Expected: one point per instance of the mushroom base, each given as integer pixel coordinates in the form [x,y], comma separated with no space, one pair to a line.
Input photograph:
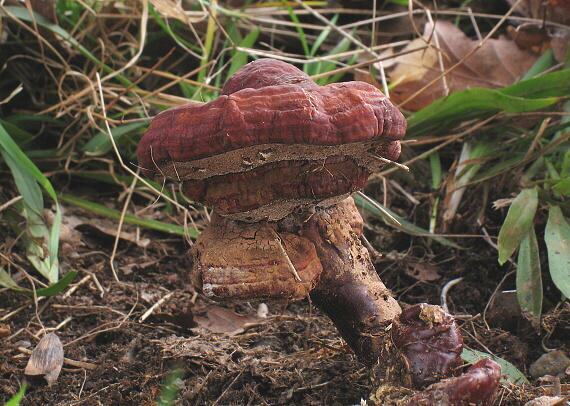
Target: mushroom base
[251,261]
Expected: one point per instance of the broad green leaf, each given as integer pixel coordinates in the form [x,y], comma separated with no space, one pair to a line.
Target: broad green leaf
[563,186]
[405,225]
[468,104]
[27,177]
[529,280]
[519,220]
[509,373]
[8,282]
[101,143]
[557,238]
[15,401]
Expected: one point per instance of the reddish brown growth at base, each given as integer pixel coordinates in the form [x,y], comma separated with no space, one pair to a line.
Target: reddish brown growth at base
[431,343]
[425,352]
[478,386]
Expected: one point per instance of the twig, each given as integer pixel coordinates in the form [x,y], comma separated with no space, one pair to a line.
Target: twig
[155,306]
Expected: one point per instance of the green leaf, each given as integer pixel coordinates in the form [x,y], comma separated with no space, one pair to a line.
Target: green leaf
[101,143]
[468,104]
[557,238]
[15,401]
[8,282]
[240,57]
[563,186]
[27,177]
[519,220]
[34,235]
[510,375]
[529,280]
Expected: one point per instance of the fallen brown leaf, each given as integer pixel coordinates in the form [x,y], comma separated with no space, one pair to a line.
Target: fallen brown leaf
[498,63]
[422,271]
[557,11]
[46,359]
[221,320]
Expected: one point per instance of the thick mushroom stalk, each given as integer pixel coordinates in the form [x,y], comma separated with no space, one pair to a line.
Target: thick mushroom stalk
[276,156]
[349,291]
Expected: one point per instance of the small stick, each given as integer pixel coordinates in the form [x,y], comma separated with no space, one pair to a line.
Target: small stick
[388,161]
[282,249]
[154,307]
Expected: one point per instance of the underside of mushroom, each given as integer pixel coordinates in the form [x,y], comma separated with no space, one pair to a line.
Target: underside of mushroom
[276,157]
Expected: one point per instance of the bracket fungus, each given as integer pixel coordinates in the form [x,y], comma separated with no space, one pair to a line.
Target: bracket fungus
[277,157]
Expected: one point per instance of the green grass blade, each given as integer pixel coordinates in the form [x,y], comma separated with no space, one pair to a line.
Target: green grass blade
[529,279]
[298,27]
[8,282]
[15,401]
[240,58]
[129,218]
[519,220]
[405,225]
[557,238]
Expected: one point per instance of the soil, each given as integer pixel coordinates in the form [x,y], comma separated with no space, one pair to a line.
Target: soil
[293,356]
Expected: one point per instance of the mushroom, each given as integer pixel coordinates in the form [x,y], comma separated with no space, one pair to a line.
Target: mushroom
[276,157]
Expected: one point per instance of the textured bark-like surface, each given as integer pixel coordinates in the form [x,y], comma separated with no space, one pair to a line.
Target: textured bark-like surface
[430,342]
[349,290]
[273,119]
[251,261]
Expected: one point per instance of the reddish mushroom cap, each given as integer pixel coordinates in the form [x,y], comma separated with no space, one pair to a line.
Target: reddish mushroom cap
[272,141]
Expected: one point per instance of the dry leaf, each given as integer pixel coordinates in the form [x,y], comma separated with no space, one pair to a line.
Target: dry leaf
[546,401]
[422,271]
[498,63]
[173,9]
[183,319]
[226,321]
[557,11]
[46,359]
